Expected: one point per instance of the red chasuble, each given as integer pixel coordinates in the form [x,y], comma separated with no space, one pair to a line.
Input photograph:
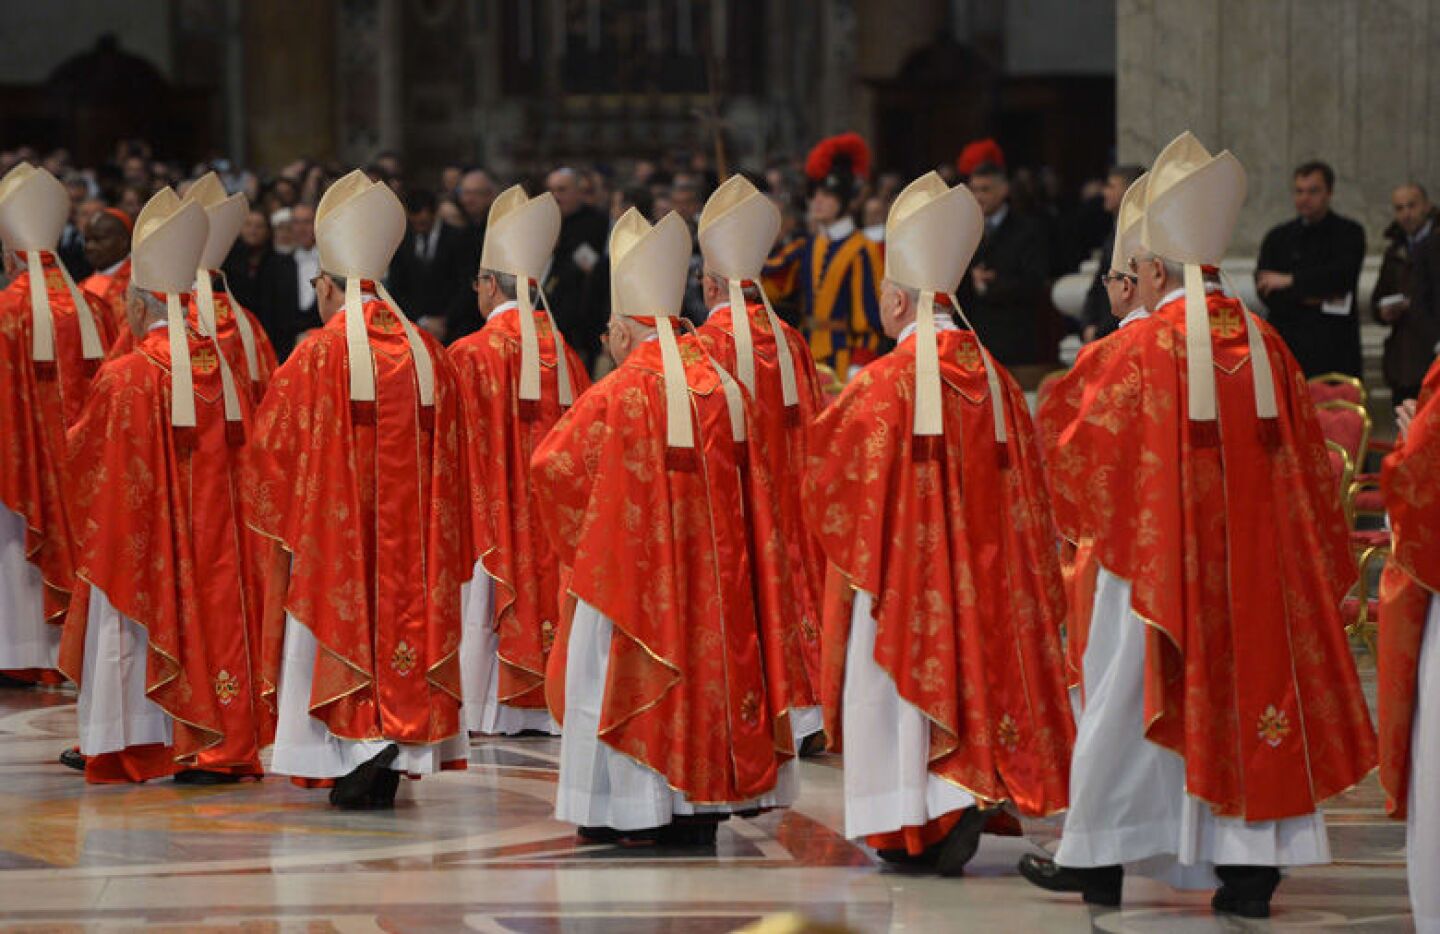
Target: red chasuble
[111,291]
[1238,556]
[663,553]
[37,403]
[228,333]
[784,444]
[501,436]
[1411,481]
[159,531]
[369,502]
[954,539]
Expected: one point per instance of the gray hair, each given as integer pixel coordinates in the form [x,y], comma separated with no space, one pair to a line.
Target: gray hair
[509,285]
[152,303]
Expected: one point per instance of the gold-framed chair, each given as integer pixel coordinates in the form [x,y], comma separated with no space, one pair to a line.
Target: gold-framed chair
[1337,387]
[1347,424]
[1361,609]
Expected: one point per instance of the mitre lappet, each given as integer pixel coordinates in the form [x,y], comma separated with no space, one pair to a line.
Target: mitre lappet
[520,238]
[34,208]
[737,229]
[358,226]
[648,268]
[930,236]
[226,215]
[1192,200]
[169,239]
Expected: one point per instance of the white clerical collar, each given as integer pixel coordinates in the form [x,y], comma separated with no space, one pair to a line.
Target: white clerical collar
[875,233]
[942,323]
[998,218]
[157,325]
[111,270]
[1136,315]
[1180,293]
[839,230]
[501,308]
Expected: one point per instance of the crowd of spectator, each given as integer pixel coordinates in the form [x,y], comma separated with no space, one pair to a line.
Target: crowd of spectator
[1307,271]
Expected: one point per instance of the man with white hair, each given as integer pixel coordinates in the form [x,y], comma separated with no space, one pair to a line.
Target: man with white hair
[356,472]
[772,361]
[518,376]
[659,671]
[160,638]
[944,677]
[51,342]
[1222,704]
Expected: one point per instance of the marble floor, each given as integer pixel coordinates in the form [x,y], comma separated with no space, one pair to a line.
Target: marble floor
[478,851]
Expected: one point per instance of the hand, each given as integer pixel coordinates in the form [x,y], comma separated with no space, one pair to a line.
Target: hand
[1267,281]
[981,277]
[1404,415]
[1087,333]
[1394,311]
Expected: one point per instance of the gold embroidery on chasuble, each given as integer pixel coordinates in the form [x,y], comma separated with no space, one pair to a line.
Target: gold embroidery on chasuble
[227,687]
[1273,727]
[403,659]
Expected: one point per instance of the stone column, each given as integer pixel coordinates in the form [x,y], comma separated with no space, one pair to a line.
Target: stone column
[289,72]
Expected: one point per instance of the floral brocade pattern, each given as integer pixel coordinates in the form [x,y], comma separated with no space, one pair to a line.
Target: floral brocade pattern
[665,553]
[956,544]
[1411,481]
[503,515]
[783,439]
[1237,554]
[169,553]
[37,404]
[339,486]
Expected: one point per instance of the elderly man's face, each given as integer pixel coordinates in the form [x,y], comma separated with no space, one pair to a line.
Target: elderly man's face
[894,309]
[1411,207]
[563,185]
[477,193]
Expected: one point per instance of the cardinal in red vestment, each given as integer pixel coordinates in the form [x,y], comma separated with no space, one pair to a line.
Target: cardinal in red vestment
[356,473]
[158,635]
[1222,703]
[51,343]
[1409,645]
[517,376]
[772,361]
[658,509]
[107,250]
[943,672]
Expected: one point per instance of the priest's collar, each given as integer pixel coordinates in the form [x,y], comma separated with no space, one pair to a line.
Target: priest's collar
[112,269]
[839,230]
[1135,315]
[501,308]
[1173,294]
[942,323]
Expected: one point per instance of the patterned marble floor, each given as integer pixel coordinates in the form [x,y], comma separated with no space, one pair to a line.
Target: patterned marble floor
[479,851]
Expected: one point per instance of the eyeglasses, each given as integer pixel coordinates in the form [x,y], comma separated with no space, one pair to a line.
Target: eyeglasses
[314,280]
[1113,276]
[475,283]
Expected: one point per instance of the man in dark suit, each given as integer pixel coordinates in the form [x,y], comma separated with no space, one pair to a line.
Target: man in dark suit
[1003,293]
[583,234]
[1096,319]
[430,271]
[1308,274]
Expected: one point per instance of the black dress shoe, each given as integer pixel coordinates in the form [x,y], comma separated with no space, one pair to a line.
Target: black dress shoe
[72,759]
[383,789]
[1245,891]
[812,745]
[8,682]
[355,792]
[1098,886]
[960,844]
[205,777]
[598,834]
[689,831]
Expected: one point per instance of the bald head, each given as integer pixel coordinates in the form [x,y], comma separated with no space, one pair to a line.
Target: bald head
[476,194]
[1411,207]
[564,184]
